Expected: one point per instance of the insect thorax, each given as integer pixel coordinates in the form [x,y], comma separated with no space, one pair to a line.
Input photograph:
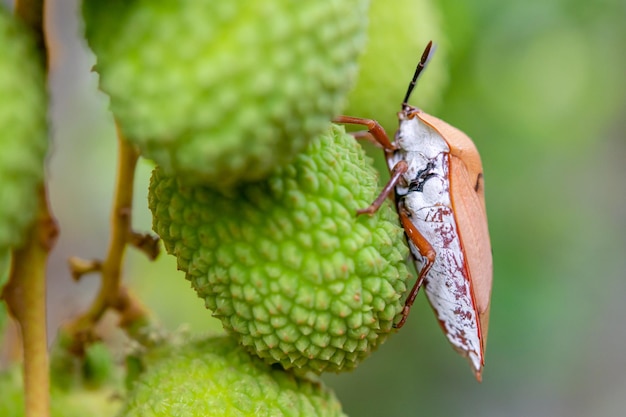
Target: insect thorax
[425,152]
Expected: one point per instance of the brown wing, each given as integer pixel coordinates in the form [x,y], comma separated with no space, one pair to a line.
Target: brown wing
[468,203]
[469,210]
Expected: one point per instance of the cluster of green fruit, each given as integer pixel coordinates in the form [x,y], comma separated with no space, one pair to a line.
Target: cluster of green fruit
[255,190]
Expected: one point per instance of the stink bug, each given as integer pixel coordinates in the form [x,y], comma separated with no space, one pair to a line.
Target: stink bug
[437,179]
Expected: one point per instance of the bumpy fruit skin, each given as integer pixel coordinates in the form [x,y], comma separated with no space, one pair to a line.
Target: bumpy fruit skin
[397,35]
[23,130]
[286,263]
[216,377]
[224,91]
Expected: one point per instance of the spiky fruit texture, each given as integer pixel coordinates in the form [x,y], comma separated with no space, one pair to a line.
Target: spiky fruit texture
[23,140]
[216,377]
[397,35]
[223,91]
[286,263]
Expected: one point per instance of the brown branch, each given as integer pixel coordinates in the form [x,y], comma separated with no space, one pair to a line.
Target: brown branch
[112,294]
[146,243]
[25,294]
[80,267]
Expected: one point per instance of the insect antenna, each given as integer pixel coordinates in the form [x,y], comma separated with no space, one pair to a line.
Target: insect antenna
[426,55]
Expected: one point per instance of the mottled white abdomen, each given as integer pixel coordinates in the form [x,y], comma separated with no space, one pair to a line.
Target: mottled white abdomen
[446,284]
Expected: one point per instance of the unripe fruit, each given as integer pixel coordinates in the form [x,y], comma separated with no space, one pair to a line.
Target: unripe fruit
[224,92]
[23,130]
[216,377]
[397,34]
[286,264]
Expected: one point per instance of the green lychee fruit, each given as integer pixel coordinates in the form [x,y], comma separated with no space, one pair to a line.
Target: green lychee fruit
[216,377]
[23,130]
[397,35]
[223,92]
[286,263]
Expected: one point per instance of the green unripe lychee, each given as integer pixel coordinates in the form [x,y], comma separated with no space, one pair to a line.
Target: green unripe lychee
[225,91]
[216,377]
[23,130]
[397,35]
[286,263]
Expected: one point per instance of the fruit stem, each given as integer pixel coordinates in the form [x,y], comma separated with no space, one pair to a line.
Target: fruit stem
[25,294]
[112,293]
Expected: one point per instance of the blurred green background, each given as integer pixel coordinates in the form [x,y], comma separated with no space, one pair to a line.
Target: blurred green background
[541,88]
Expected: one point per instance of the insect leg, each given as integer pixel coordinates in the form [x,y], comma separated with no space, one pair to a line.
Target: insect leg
[373,128]
[398,170]
[366,135]
[426,250]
